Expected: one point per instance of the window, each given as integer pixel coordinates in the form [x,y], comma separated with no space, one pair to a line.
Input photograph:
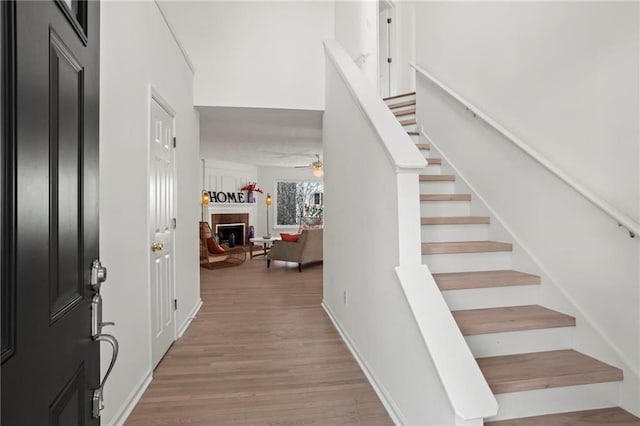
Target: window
[297,199]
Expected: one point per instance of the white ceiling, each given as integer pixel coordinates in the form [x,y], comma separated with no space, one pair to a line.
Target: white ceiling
[260,136]
[225,39]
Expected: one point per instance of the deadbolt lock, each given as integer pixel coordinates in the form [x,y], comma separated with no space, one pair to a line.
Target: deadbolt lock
[156,247]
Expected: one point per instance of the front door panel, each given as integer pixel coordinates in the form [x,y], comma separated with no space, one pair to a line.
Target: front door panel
[49,377]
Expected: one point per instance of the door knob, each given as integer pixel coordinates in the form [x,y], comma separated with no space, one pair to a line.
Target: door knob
[156,247]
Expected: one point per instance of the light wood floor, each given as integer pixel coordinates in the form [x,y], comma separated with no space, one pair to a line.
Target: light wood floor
[261,351]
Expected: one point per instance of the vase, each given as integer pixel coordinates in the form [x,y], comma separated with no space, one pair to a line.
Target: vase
[250,197]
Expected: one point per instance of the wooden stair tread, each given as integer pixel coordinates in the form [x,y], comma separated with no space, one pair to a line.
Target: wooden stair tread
[414,133]
[402,104]
[409,122]
[541,370]
[510,318]
[424,146]
[435,161]
[404,112]
[483,279]
[445,197]
[615,416]
[401,95]
[454,220]
[437,178]
[465,247]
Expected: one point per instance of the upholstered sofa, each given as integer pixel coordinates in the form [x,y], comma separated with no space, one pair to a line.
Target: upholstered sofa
[307,249]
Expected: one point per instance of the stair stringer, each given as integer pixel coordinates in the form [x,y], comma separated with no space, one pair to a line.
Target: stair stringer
[587,337]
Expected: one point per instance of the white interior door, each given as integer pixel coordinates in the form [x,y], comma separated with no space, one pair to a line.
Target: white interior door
[161,181]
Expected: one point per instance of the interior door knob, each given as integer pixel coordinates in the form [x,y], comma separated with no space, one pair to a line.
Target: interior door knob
[156,247]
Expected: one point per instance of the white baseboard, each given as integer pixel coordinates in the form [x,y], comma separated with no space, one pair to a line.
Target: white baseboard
[129,404]
[190,318]
[383,395]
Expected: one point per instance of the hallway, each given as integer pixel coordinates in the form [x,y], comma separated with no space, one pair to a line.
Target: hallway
[261,351]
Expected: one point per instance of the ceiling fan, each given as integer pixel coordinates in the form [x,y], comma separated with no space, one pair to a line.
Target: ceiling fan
[316,166]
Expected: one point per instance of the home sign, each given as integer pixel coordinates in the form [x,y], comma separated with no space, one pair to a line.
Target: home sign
[226,197]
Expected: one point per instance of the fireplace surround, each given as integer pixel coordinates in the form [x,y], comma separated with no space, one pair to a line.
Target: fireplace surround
[235,219]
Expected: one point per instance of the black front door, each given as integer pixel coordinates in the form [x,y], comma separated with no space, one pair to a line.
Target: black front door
[50,94]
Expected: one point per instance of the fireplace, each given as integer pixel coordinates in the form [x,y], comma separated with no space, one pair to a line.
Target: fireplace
[224,232]
[238,220]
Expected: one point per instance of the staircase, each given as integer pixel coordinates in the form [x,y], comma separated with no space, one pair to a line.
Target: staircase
[523,349]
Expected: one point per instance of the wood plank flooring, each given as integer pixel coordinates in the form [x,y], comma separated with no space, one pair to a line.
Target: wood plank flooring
[261,351]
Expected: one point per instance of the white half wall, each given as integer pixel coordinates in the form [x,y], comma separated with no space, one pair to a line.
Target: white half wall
[255,53]
[139,52]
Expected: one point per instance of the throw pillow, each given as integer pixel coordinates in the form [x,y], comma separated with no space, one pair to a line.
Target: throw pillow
[214,247]
[290,237]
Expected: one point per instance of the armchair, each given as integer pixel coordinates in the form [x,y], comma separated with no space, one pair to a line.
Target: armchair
[307,249]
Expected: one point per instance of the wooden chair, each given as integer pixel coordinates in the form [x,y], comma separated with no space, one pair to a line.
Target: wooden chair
[231,256]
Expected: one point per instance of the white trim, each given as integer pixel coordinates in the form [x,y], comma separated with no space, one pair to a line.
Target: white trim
[591,323]
[130,402]
[190,317]
[624,220]
[462,380]
[391,407]
[185,55]
[400,149]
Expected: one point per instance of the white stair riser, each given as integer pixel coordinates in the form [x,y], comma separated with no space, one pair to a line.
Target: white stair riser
[491,297]
[556,400]
[432,169]
[415,138]
[520,342]
[400,99]
[445,208]
[404,117]
[437,187]
[426,153]
[467,262]
[443,233]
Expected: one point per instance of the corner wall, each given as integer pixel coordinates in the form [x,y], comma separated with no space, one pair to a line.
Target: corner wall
[137,52]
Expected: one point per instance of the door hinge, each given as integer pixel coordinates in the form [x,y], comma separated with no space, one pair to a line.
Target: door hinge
[174,222]
[175,304]
[174,141]
[388,20]
[389,60]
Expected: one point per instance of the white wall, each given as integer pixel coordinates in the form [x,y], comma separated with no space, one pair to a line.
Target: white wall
[255,53]
[356,24]
[403,76]
[267,177]
[564,78]
[137,51]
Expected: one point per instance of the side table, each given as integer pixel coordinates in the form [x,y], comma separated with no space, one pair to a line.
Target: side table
[266,245]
